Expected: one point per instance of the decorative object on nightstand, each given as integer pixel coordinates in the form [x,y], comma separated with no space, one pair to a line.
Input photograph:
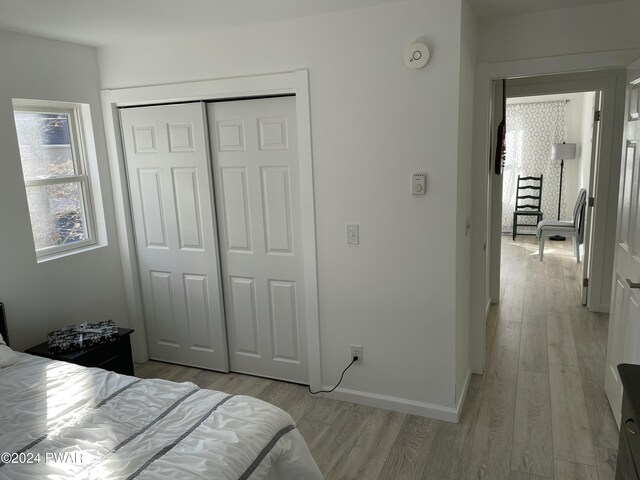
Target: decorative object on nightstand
[562,151]
[114,355]
[75,337]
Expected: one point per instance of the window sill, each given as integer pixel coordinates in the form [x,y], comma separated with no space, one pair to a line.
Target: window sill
[68,253]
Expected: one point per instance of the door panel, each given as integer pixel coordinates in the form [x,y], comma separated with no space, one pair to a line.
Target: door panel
[169,176]
[624,318]
[235,204]
[256,181]
[185,187]
[284,320]
[151,204]
[276,201]
[627,189]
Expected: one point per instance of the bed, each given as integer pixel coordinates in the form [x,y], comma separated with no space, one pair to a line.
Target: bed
[63,421]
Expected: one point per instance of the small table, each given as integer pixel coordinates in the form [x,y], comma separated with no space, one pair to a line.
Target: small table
[114,356]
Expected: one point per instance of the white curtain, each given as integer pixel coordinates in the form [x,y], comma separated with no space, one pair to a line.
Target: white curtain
[531,130]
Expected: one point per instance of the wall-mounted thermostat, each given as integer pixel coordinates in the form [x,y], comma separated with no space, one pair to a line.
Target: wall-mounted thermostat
[418,183]
[417,56]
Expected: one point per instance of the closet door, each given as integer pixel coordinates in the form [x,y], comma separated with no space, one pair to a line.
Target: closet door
[256,178]
[169,177]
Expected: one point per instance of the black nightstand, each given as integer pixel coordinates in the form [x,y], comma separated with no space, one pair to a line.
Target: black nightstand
[114,356]
[629,443]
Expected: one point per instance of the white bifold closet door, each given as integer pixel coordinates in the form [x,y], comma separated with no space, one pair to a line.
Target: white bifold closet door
[169,177]
[257,191]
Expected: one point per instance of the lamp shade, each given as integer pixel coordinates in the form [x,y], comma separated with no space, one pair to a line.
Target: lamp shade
[563,151]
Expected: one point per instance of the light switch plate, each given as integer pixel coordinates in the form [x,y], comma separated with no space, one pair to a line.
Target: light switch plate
[353,234]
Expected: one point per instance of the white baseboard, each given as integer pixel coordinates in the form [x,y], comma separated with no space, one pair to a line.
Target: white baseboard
[402,405]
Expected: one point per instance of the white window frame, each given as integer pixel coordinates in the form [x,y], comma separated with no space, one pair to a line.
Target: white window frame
[79,150]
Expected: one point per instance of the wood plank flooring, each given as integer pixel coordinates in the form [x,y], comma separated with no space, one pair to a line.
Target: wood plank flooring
[539,411]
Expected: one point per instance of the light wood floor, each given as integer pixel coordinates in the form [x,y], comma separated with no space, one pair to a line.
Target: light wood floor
[539,411]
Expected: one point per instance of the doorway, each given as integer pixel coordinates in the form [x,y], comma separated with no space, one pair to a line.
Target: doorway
[602,185]
[535,125]
[488,189]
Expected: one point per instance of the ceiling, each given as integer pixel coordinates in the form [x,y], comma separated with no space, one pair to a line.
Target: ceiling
[104,22]
[498,8]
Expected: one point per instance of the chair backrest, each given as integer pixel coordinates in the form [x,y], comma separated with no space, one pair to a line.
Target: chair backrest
[529,193]
[579,213]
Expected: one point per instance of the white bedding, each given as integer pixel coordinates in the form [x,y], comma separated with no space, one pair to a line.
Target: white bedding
[72,422]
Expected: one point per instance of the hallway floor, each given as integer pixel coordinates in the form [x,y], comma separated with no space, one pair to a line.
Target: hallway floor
[538,412]
[546,366]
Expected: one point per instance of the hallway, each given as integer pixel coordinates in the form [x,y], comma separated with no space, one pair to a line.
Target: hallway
[544,386]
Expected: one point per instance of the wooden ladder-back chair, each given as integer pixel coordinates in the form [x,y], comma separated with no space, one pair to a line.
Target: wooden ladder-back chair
[528,202]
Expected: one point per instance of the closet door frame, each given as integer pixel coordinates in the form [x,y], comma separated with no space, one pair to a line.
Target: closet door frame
[294,82]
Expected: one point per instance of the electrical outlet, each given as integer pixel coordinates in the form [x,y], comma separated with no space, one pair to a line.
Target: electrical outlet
[356,351]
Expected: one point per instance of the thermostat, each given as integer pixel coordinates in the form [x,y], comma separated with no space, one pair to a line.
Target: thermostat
[417,56]
[418,183]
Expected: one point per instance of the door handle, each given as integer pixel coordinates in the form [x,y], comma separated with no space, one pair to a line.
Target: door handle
[632,284]
[626,425]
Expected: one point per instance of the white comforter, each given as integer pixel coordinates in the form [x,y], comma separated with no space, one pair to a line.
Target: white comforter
[61,421]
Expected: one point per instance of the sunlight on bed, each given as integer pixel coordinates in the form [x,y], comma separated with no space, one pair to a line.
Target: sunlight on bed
[69,401]
[63,395]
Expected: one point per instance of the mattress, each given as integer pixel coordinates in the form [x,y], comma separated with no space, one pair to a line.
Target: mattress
[62,421]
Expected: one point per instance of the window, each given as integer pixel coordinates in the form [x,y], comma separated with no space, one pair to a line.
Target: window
[54,165]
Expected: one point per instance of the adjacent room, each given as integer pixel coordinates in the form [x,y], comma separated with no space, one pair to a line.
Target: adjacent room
[250,239]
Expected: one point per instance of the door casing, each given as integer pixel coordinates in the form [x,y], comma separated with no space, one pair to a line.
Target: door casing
[574,83]
[289,83]
[485,259]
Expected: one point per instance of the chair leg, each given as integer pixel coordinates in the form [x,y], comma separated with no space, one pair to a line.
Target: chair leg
[576,249]
[515,226]
[541,246]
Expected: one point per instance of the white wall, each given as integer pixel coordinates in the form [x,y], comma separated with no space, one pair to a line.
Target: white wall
[595,28]
[84,287]
[468,62]
[572,168]
[374,123]
[586,139]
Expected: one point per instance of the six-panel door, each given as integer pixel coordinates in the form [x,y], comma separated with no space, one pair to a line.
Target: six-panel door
[174,222]
[255,158]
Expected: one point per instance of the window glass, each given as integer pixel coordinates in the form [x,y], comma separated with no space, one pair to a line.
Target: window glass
[57,216]
[55,177]
[45,144]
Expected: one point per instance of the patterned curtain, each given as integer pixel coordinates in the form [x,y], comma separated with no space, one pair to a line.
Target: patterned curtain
[531,130]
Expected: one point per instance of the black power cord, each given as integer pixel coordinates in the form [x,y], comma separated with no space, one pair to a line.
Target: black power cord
[355,359]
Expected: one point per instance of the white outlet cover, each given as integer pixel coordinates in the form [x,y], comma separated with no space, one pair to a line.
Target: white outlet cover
[417,56]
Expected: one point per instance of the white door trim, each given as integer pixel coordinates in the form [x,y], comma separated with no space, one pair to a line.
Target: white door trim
[481,188]
[605,176]
[295,82]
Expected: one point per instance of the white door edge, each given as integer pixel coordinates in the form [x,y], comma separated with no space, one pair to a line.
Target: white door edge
[294,82]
